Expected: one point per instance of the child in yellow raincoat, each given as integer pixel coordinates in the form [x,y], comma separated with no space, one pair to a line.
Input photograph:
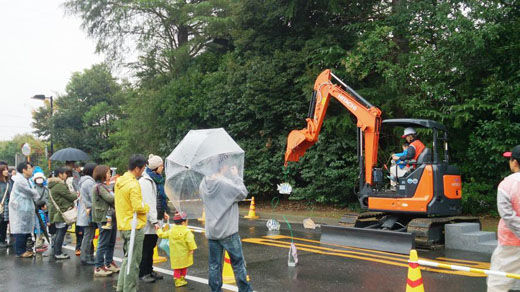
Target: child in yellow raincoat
[182,244]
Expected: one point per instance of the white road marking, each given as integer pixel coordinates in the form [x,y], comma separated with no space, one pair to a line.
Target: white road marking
[170,273]
[197,229]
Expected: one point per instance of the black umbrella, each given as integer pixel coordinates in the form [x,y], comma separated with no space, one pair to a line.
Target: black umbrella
[69,154]
[42,226]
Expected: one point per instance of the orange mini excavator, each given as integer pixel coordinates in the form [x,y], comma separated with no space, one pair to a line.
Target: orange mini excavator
[426,198]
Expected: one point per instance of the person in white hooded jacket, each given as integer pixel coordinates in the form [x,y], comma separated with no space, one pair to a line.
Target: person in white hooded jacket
[149,193]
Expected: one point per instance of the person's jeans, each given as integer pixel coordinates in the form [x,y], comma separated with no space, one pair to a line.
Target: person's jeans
[3,228]
[106,244]
[58,241]
[233,246]
[146,266]
[79,236]
[20,243]
[128,283]
[87,250]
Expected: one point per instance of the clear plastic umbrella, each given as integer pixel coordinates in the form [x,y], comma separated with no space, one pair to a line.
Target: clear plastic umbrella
[200,153]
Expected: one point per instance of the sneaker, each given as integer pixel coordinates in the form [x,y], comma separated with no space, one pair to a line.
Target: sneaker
[62,256]
[157,276]
[102,272]
[148,278]
[180,282]
[113,267]
[27,254]
[77,252]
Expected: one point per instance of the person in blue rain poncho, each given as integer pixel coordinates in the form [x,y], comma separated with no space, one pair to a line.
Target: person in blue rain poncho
[21,208]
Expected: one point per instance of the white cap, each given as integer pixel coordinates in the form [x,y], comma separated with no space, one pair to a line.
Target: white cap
[408,131]
[154,161]
[38,175]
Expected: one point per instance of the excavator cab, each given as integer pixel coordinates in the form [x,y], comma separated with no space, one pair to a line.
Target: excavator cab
[431,186]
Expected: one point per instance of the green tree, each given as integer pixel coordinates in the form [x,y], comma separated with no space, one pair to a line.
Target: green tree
[164,34]
[460,68]
[249,67]
[9,149]
[84,117]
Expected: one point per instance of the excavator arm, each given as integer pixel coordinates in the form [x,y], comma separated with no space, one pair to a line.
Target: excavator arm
[368,122]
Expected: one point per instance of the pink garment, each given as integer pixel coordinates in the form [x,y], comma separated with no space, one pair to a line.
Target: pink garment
[508,203]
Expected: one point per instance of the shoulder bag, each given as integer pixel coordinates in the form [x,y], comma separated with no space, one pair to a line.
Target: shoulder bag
[3,199]
[70,216]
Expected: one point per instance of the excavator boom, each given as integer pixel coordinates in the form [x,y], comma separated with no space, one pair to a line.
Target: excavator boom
[368,121]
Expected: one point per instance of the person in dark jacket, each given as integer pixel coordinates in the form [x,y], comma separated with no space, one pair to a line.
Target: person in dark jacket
[64,199]
[102,202]
[5,189]
[72,182]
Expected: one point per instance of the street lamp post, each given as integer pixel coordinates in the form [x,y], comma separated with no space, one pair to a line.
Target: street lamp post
[43,97]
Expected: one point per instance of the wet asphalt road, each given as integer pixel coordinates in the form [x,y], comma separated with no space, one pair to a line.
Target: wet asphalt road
[320,268]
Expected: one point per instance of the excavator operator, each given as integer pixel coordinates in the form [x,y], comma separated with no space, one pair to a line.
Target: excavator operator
[416,146]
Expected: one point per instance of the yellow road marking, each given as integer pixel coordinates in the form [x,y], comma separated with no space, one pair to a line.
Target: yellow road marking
[283,241]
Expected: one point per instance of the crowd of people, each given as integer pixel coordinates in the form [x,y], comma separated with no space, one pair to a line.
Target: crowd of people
[36,211]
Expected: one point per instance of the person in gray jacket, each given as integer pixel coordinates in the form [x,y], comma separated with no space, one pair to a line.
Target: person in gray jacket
[86,186]
[220,194]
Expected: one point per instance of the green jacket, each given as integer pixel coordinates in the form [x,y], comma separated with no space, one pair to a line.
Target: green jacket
[63,198]
[102,200]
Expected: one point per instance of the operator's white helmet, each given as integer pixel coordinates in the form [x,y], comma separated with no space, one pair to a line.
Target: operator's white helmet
[408,131]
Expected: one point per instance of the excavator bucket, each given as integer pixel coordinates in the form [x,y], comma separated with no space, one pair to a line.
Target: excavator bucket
[382,240]
[297,144]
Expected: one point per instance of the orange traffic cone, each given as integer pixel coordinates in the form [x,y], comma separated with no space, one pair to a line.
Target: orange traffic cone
[414,282]
[252,210]
[203,217]
[228,277]
[157,258]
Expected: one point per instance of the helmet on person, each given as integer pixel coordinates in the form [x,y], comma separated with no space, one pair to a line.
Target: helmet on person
[408,131]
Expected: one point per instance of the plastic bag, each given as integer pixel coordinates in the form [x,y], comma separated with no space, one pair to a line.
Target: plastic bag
[292,261]
[284,188]
[272,225]
[165,246]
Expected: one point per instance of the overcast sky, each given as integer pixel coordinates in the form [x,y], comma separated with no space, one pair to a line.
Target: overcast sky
[40,48]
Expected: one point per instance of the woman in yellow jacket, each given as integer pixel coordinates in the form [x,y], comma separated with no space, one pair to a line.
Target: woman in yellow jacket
[182,244]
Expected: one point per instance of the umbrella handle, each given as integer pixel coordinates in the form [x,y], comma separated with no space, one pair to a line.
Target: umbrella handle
[131,243]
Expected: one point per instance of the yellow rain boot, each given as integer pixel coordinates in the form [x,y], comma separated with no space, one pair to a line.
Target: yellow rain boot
[179,282]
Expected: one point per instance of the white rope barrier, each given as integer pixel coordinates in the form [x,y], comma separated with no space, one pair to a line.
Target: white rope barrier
[468,269]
